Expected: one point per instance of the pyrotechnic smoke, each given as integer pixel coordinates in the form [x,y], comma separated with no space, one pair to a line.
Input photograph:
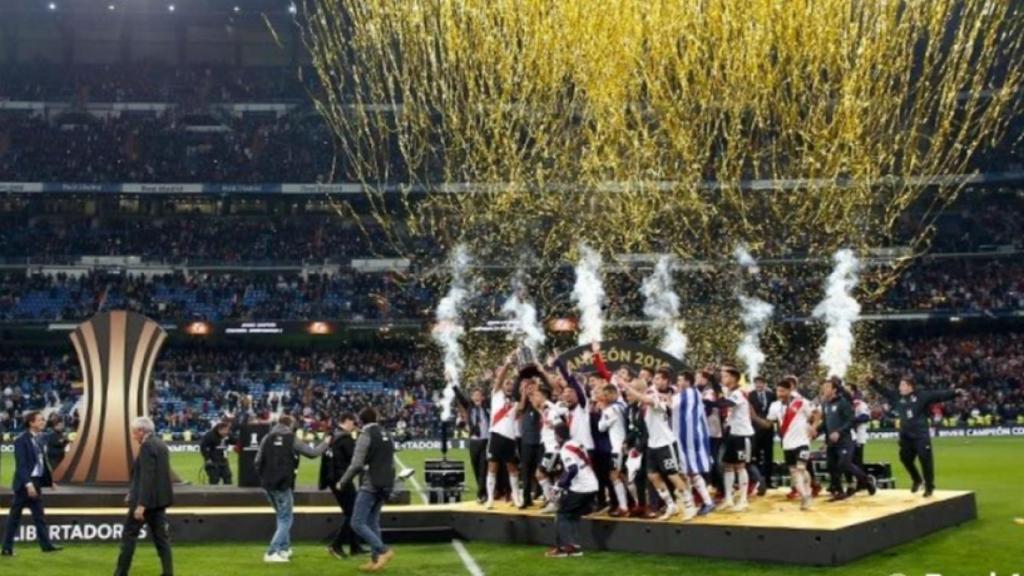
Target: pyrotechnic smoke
[524,316]
[755,315]
[839,310]
[661,305]
[448,327]
[588,294]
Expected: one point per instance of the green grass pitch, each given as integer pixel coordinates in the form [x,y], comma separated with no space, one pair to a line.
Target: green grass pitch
[992,544]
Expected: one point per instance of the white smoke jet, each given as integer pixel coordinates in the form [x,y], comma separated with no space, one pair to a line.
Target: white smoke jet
[754,314]
[524,318]
[448,326]
[588,294]
[661,305]
[839,310]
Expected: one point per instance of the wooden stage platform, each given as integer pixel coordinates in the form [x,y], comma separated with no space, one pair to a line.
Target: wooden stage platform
[772,530]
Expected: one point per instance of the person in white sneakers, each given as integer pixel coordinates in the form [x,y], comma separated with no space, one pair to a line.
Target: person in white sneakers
[613,422]
[578,488]
[662,446]
[738,441]
[792,413]
[502,445]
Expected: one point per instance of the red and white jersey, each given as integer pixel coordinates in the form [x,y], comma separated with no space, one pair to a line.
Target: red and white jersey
[551,415]
[658,421]
[860,433]
[794,421]
[613,421]
[503,415]
[575,454]
[738,420]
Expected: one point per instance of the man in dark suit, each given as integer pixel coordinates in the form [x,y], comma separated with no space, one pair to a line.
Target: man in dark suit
[149,496]
[764,439]
[333,466]
[31,475]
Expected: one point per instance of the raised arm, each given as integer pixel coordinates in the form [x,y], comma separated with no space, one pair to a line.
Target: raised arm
[889,394]
[936,396]
[499,375]
[599,365]
[572,382]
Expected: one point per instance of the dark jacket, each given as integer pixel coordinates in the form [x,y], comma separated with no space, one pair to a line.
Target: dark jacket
[278,457]
[912,409]
[56,444]
[336,461]
[374,459]
[478,418]
[27,449]
[839,418]
[212,447]
[759,408]
[152,484]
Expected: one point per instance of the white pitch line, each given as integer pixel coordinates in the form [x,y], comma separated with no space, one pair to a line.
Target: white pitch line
[415,482]
[471,566]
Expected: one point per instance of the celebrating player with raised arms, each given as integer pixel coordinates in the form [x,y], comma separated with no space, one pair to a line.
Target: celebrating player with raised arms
[501,448]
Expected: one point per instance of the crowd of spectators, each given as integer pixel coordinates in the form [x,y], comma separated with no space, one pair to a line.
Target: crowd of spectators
[184,238]
[166,148]
[347,295]
[153,82]
[197,387]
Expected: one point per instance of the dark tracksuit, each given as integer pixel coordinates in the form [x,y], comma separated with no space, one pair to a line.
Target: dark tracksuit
[601,459]
[478,419]
[764,439]
[636,439]
[531,451]
[915,438]
[839,418]
[332,467]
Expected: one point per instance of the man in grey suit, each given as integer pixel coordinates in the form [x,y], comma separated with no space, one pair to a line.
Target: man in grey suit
[150,495]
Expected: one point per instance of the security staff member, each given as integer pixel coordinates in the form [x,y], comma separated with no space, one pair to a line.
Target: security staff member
[476,413]
[374,458]
[332,467]
[911,407]
[212,447]
[839,422]
[764,438]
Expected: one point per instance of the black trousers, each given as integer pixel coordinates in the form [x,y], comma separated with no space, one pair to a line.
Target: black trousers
[529,461]
[840,461]
[35,505]
[764,455]
[478,460]
[641,483]
[602,462]
[914,448]
[156,521]
[571,507]
[347,501]
[218,472]
[858,459]
[717,479]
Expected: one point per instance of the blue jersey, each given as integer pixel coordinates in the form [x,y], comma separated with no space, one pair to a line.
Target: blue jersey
[691,426]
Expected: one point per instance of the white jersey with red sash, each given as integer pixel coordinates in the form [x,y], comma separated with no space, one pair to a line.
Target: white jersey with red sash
[503,415]
[574,454]
[794,421]
[578,419]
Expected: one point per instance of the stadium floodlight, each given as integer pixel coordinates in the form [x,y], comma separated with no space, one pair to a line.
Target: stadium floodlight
[292,9]
[170,7]
[237,9]
[51,6]
[111,7]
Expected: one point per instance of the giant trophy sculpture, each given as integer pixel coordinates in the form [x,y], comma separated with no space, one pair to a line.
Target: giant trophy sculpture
[117,351]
